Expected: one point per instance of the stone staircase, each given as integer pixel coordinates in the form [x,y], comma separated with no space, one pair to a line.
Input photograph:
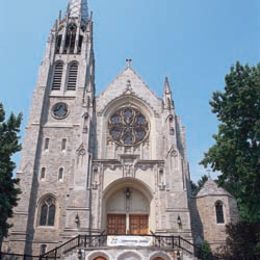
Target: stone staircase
[87,256]
[126,247]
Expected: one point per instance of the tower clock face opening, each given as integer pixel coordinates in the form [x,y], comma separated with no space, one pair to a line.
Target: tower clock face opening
[128,126]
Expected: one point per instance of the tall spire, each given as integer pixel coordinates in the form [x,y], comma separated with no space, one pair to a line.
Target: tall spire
[78,9]
[167,88]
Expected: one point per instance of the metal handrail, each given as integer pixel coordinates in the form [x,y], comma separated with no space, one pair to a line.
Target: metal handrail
[93,241]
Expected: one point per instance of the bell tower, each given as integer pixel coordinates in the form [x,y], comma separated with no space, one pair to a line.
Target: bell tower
[59,144]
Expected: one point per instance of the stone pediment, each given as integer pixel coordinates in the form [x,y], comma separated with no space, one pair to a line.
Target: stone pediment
[126,85]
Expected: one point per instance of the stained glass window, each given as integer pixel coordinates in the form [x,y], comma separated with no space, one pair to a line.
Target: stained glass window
[128,126]
[47,215]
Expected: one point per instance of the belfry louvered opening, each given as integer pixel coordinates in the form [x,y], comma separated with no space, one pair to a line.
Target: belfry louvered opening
[57,76]
[72,76]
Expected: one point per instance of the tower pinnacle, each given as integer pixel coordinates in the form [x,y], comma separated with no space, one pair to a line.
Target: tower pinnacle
[167,88]
[78,9]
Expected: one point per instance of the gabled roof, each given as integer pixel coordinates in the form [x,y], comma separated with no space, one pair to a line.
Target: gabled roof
[128,82]
[210,188]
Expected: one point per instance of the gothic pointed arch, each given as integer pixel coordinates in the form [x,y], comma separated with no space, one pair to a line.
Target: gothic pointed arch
[126,208]
[47,210]
[219,210]
[70,39]
[57,75]
[72,77]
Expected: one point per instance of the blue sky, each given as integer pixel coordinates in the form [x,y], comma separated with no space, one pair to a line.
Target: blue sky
[194,43]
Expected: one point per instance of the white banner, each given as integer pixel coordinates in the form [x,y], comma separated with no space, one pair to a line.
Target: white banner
[129,241]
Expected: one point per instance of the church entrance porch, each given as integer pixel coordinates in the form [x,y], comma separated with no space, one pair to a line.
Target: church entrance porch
[121,224]
[126,210]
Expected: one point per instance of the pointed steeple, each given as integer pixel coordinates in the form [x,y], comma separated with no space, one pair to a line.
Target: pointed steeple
[167,95]
[78,9]
[167,88]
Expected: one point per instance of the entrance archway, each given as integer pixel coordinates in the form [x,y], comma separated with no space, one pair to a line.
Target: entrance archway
[127,211]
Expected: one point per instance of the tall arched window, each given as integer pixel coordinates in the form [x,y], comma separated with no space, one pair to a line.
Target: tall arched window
[72,76]
[57,76]
[58,43]
[43,173]
[47,214]
[219,212]
[70,39]
[60,174]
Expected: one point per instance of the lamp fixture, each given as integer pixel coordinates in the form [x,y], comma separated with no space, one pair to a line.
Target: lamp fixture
[179,220]
[77,220]
[127,193]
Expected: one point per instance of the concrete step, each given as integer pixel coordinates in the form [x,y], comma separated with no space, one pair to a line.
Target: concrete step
[127,254]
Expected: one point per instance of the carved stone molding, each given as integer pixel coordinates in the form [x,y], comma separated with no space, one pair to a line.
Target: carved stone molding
[172,152]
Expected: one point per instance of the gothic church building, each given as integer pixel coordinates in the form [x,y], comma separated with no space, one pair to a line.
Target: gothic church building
[113,164]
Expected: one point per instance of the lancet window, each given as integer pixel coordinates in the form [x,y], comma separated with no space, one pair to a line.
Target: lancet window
[70,39]
[72,76]
[219,212]
[57,76]
[47,214]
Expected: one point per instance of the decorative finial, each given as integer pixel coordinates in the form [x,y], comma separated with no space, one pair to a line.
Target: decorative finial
[129,63]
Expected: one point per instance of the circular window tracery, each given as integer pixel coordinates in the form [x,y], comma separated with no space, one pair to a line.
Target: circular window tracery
[128,126]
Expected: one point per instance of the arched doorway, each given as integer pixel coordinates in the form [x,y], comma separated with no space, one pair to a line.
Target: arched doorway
[127,212]
[100,258]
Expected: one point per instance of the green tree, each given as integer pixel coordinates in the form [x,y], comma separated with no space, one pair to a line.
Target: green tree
[206,253]
[9,144]
[242,241]
[195,188]
[236,153]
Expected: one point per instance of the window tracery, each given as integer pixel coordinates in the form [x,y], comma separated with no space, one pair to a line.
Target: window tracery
[70,39]
[47,214]
[128,126]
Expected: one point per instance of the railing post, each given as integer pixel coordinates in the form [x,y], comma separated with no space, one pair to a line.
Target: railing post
[78,240]
[173,242]
[179,241]
[85,241]
[55,254]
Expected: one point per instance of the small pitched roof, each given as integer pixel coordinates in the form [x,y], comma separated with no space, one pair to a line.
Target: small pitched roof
[210,188]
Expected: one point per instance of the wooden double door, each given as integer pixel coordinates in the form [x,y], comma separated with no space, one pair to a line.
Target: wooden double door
[121,224]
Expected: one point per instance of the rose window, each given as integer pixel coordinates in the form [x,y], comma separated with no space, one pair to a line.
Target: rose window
[128,126]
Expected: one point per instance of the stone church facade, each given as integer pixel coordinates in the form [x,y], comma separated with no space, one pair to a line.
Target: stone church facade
[113,163]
